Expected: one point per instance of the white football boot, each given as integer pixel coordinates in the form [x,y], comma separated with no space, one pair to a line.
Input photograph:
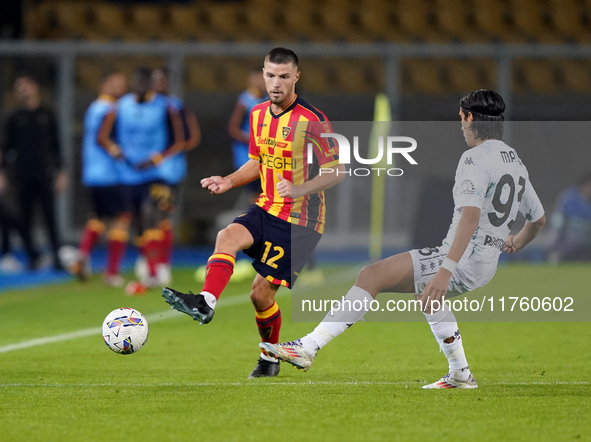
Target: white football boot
[291,352]
[448,381]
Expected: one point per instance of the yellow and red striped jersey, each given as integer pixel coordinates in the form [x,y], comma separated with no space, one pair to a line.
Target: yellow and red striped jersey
[279,142]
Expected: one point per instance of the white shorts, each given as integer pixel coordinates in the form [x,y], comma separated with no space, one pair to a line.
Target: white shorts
[468,275]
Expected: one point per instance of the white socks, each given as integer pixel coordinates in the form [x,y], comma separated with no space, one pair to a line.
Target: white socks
[353,307]
[209,299]
[443,325]
[350,309]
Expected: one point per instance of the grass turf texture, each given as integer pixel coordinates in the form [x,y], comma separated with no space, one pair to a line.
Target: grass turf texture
[189,382]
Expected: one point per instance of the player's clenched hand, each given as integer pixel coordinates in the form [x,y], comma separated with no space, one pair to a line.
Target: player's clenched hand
[216,184]
[510,246]
[435,290]
[285,188]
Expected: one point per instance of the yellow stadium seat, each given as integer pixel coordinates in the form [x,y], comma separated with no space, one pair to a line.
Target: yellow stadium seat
[351,77]
[335,21]
[537,76]
[376,20]
[470,74]
[203,75]
[148,23]
[36,20]
[302,22]
[452,18]
[489,19]
[413,17]
[223,19]
[528,16]
[109,22]
[422,76]
[576,75]
[338,22]
[566,16]
[71,19]
[314,79]
[192,22]
[262,23]
[183,21]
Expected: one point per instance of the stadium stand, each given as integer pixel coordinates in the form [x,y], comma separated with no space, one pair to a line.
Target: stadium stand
[534,76]
[401,21]
[544,21]
[576,75]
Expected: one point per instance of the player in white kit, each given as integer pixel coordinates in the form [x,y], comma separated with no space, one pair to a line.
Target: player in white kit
[491,186]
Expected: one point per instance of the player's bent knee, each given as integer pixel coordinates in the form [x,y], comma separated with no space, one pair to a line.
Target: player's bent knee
[367,278]
[262,294]
[233,238]
[226,238]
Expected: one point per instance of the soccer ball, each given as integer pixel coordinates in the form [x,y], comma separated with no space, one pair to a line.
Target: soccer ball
[125,331]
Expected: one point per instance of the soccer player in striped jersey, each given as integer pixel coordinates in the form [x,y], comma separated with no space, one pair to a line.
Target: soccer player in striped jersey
[491,185]
[282,229]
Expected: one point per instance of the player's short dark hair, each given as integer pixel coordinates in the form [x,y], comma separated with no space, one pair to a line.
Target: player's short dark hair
[486,107]
[26,75]
[143,73]
[282,56]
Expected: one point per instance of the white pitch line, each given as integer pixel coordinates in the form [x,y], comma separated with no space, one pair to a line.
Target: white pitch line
[94,331]
[154,317]
[267,384]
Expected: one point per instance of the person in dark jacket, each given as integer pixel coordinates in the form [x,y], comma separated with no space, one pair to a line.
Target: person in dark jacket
[32,158]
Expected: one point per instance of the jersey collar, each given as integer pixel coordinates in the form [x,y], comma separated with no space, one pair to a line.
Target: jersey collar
[107,97]
[286,110]
[150,96]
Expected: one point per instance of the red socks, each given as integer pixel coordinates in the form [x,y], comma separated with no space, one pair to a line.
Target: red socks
[167,242]
[220,267]
[92,232]
[116,249]
[152,248]
[269,323]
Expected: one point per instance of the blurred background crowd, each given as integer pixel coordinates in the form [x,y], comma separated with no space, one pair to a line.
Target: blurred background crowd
[424,54]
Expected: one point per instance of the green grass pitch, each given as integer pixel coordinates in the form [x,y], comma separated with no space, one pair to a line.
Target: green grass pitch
[190,383]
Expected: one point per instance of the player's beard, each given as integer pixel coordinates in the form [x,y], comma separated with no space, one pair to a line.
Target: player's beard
[277,100]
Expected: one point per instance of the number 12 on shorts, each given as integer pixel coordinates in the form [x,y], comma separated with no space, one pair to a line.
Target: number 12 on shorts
[271,261]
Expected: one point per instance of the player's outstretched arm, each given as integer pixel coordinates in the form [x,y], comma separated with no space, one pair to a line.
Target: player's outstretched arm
[530,230]
[218,184]
[324,180]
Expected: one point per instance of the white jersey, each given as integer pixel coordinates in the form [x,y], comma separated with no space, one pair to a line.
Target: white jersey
[493,178]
